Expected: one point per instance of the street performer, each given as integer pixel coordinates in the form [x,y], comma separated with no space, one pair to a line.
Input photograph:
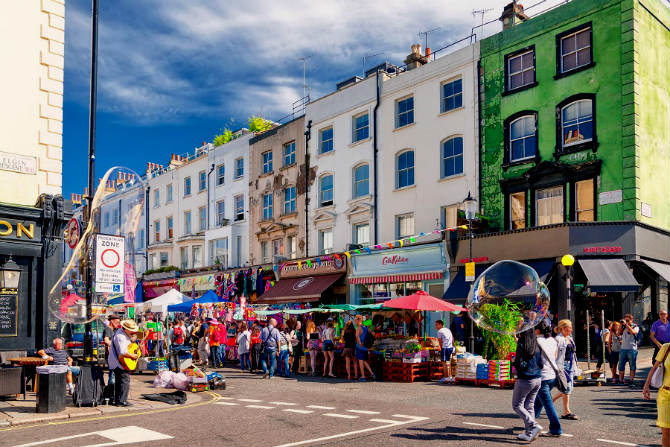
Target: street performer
[119,351]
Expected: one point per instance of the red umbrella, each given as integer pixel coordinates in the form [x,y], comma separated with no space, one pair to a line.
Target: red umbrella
[422,301]
[69,301]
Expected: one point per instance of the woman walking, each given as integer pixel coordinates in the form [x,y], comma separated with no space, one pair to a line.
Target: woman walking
[350,349]
[528,364]
[329,348]
[663,395]
[244,346]
[614,348]
[256,347]
[566,355]
[312,345]
[298,342]
[285,350]
[361,350]
[549,348]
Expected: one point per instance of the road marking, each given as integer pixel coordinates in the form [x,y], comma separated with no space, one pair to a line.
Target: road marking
[410,420]
[288,404]
[616,442]
[563,435]
[294,410]
[250,400]
[120,435]
[260,407]
[418,418]
[319,407]
[386,421]
[482,425]
[226,403]
[226,398]
[343,416]
[363,412]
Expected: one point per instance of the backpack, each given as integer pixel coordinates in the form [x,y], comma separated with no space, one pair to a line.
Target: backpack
[177,335]
[369,339]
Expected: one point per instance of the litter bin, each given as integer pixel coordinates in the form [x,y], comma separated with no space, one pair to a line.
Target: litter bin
[51,388]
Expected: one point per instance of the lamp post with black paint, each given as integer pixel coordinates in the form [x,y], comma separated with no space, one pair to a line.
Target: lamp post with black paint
[470,206]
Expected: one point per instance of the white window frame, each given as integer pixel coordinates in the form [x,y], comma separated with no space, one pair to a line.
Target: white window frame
[220,212]
[267,207]
[188,227]
[578,122]
[576,50]
[354,190]
[331,140]
[322,202]
[355,129]
[288,158]
[443,159]
[398,170]
[202,218]
[579,210]
[523,138]
[157,230]
[157,198]
[239,168]
[399,219]
[169,226]
[187,186]
[267,162]
[323,249]
[202,181]
[511,209]
[167,259]
[522,71]
[398,114]
[168,193]
[264,252]
[221,176]
[355,234]
[290,204]
[292,246]
[443,98]
[562,204]
[239,210]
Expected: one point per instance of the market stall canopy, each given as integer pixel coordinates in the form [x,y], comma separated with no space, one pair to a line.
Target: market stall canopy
[608,275]
[354,306]
[160,304]
[186,306]
[298,290]
[422,301]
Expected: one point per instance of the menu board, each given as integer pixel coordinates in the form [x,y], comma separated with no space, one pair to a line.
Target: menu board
[9,317]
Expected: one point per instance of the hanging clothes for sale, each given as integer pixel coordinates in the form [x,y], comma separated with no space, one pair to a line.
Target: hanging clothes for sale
[239,282]
[260,286]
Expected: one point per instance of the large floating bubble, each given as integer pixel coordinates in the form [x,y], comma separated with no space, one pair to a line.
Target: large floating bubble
[508,298]
[118,217]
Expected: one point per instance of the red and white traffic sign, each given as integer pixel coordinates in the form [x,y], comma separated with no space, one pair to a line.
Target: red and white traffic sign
[72,233]
[109,255]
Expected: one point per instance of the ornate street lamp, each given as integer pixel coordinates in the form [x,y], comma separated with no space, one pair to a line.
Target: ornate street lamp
[10,274]
[470,206]
[568,261]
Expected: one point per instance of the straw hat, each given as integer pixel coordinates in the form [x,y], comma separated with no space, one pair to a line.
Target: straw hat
[130,325]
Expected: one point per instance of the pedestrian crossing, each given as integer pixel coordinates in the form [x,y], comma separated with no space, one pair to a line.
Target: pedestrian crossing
[325,411]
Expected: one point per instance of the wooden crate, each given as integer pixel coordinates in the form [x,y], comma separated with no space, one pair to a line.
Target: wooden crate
[500,383]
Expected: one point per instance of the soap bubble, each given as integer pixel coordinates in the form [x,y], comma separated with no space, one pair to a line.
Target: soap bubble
[116,210]
[508,298]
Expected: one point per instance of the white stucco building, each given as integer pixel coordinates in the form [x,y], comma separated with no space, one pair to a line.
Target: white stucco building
[428,140]
[227,237]
[341,155]
[178,211]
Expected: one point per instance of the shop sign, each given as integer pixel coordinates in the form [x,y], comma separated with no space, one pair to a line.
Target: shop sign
[9,312]
[479,259]
[469,271]
[18,229]
[18,163]
[603,250]
[109,263]
[297,269]
[422,258]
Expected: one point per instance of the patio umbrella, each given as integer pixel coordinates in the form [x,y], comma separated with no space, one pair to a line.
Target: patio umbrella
[422,301]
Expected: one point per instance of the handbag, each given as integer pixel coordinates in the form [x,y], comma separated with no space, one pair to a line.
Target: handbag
[657,378]
[561,380]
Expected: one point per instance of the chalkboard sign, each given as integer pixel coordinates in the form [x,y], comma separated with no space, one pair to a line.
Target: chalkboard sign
[9,316]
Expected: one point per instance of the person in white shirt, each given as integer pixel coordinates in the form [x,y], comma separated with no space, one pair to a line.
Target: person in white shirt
[446,339]
[243,346]
[549,348]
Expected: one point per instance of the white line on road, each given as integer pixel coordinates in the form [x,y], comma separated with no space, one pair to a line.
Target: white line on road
[386,421]
[319,407]
[250,400]
[355,432]
[363,412]
[120,435]
[226,403]
[414,418]
[260,407]
[294,410]
[343,416]
[288,404]
[616,442]
[226,398]
[482,425]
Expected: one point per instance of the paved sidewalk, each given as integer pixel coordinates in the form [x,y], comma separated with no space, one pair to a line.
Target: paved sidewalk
[19,411]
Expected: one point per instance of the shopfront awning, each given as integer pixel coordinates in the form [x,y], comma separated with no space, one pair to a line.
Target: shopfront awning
[298,290]
[663,270]
[608,275]
[406,277]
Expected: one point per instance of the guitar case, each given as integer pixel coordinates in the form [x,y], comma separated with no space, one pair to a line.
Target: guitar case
[89,387]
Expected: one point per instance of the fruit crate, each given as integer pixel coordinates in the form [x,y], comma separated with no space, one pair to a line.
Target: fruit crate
[405,372]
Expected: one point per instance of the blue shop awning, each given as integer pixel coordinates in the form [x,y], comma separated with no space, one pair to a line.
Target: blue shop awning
[542,268]
[608,275]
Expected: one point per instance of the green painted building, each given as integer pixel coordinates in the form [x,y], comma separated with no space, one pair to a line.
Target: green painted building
[575,116]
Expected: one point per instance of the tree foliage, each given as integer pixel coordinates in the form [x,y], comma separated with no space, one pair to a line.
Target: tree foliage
[223,138]
[498,346]
[259,124]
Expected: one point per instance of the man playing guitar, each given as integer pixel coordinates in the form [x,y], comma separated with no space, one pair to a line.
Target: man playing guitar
[118,353]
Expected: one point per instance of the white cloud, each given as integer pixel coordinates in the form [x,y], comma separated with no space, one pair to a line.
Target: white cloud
[175,60]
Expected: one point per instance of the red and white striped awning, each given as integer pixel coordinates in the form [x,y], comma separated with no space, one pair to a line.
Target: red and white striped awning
[406,277]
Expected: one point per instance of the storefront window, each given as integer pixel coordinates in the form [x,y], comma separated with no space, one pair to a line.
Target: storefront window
[585,201]
[517,210]
[549,205]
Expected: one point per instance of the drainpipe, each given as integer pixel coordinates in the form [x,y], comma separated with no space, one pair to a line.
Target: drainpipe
[375,150]
[208,188]
[308,136]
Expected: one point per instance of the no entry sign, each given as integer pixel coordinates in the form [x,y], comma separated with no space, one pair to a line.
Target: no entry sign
[109,255]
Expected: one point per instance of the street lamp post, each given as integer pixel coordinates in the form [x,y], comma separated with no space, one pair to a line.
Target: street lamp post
[10,274]
[568,261]
[470,206]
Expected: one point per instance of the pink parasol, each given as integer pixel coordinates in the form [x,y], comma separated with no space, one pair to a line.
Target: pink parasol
[422,301]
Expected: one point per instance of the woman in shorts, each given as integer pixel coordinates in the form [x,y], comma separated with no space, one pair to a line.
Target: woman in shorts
[614,348]
[349,352]
[312,344]
[329,348]
[361,350]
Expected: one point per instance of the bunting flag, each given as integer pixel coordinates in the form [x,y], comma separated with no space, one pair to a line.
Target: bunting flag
[309,263]
[347,254]
[299,264]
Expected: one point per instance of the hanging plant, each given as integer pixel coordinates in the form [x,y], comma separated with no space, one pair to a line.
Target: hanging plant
[498,345]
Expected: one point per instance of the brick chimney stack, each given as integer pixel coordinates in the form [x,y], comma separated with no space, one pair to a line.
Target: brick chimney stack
[512,15]
[415,59]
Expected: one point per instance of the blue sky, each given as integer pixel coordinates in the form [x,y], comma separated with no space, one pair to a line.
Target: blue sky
[173,73]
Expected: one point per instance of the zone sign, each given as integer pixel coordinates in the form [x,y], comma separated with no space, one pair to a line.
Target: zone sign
[109,256]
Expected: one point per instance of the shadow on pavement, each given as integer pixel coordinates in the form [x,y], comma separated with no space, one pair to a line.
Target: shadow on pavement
[460,434]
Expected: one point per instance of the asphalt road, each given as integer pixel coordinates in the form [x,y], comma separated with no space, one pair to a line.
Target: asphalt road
[315,411]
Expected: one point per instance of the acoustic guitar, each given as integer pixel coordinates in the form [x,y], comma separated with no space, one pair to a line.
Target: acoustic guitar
[128,363]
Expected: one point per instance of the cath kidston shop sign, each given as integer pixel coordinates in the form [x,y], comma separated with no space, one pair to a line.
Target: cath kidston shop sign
[109,256]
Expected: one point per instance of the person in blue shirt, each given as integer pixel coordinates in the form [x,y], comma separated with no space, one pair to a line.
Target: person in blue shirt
[528,364]
[269,348]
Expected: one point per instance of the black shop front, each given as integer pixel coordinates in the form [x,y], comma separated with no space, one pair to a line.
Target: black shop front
[31,261]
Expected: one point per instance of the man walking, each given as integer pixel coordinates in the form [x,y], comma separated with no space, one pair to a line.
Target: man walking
[118,352]
[269,343]
[660,332]
[203,342]
[628,347]
[114,324]
[446,340]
